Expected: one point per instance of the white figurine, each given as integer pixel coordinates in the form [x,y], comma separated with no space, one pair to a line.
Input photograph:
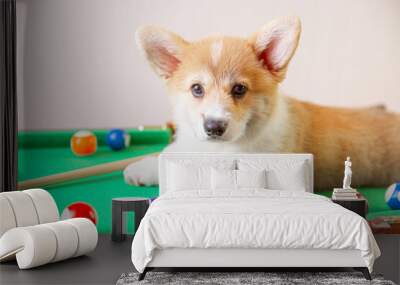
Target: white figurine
[347,174]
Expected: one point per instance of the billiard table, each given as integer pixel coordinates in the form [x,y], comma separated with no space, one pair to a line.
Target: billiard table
[42,153]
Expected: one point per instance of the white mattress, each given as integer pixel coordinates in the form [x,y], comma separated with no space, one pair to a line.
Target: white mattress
[252,219]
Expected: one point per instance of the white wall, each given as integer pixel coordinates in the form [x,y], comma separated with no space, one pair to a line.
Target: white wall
[79,66]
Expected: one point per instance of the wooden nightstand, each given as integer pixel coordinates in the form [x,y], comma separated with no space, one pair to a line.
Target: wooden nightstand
[358,206]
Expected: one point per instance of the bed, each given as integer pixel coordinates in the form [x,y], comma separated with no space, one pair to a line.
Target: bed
[247,210]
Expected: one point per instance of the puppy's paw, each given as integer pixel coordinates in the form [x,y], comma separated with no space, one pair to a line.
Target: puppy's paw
[143,172]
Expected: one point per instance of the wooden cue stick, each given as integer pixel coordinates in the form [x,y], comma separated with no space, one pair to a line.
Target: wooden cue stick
[80,173]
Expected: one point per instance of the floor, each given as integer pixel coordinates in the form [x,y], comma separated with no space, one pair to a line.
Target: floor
[111,259]
[388,264]
[102,266]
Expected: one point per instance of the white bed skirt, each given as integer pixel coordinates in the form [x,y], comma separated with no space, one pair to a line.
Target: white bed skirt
[193,257]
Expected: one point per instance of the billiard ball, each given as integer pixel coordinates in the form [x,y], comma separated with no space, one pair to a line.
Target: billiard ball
[117,139]
[83,143]
[392,196]
[80,210]
[171,126]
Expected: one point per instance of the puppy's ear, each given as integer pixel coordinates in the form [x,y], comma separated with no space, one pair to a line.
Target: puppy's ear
[162,49]
[275,44]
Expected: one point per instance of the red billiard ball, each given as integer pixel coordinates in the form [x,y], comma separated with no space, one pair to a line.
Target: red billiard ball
[80,210]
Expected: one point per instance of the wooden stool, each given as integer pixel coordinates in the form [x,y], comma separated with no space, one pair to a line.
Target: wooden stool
[127,204]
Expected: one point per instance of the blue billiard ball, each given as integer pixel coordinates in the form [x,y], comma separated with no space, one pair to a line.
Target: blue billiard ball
[117,139]
[392,196]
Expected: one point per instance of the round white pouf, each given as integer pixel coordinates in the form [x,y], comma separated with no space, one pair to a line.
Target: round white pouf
[32,246]
[7,218]
[67,240]
[45,205]
[23,208]
[87,234]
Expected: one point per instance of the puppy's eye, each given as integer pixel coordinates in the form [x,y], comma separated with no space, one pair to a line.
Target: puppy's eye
[238,91]
[197,90]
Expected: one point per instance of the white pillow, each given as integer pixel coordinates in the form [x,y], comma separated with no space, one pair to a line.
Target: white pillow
[187,177]
[226,179]
[293,180]
[281,174]
[251,178]
[193,174]
[223,179]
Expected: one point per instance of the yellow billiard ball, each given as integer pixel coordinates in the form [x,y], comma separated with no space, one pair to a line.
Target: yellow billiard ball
[83,143]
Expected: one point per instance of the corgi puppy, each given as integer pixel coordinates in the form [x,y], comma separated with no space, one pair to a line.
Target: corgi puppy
[225,98]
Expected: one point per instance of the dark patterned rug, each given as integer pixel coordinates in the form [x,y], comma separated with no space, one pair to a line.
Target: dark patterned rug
[269,278]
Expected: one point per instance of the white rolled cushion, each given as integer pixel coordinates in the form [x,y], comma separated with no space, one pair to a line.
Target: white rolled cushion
[67,239]
[23,208]
[40,244]
[251,179]
[223,179]
[45,205]
[33,246]
[87,235]
[7,218]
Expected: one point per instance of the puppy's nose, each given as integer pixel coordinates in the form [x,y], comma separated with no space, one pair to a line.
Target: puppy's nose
[215,128]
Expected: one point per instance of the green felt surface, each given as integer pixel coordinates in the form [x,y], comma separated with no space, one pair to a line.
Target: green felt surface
[45,153]
[48,152]
[41,139]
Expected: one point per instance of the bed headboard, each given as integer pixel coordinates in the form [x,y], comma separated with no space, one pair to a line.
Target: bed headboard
[214,158]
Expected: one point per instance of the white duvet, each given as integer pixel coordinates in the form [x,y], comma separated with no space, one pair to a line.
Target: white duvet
[250,219]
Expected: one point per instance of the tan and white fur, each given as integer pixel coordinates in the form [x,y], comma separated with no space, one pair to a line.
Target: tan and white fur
[262,119]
